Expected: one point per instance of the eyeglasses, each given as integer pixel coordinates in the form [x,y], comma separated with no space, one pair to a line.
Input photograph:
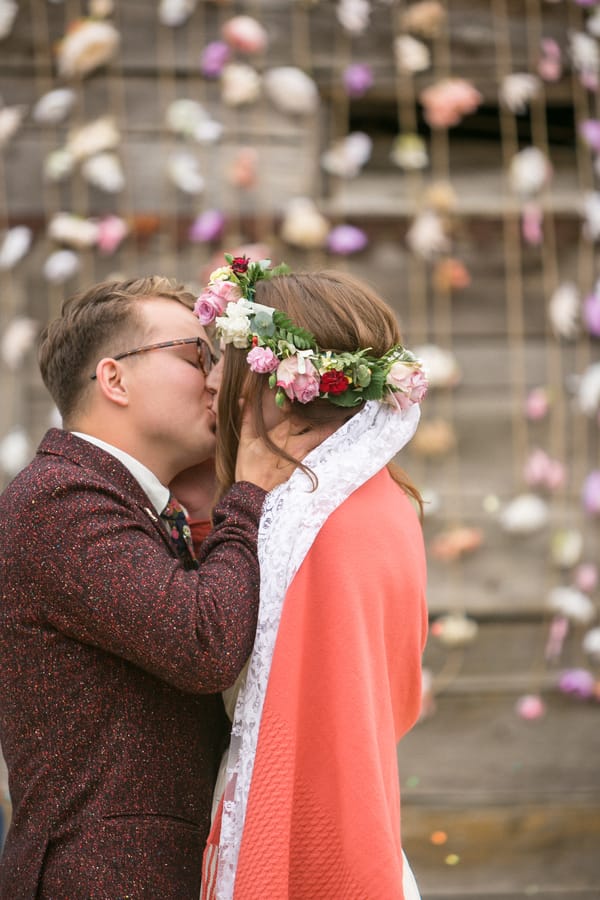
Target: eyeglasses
[206,358]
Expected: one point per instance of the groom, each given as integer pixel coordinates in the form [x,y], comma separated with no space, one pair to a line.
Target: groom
[114,641]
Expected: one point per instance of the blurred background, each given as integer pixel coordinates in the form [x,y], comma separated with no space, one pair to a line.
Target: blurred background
[449,153]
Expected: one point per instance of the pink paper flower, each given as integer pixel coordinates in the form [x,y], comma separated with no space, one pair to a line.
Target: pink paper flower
[537,404]
[214,58]
[298,386]
[447,101]
[245,34]
[589,130]
[346,239]
[591,311]
[213,300]
[578,682]
[550,63]
[358,78]
[585,577]
[410,383]
[590,494]
[112,231]
[262,359]
[208,226]
[543,471]
[530,706]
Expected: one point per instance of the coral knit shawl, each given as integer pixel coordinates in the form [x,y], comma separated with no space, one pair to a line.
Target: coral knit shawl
[323,814]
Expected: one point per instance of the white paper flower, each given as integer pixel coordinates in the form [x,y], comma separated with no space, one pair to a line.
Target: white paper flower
[426,236]
[61,265]
[518,90]
[104,171]
[58,165]
[303,225]
[10,122]
[525,514]
[425,18]
[563,310]
[591,208]
[455,630]
[94,137]
[440,365]
[175,12]
[588,391]
[571,603]
[183,170]
[8,14]
[411,55]
[353,15]
[17,339]
[409,151]
[86,46]
[190,119]
[593,23]
[54,106]
[566,547]
[291,90]
[346,157]
[15,452]
[74,231]
[585,54]
[591,643]
[14,246]
[240,84]
[529,172]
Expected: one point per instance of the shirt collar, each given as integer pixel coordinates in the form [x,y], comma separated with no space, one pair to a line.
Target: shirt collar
[155,489]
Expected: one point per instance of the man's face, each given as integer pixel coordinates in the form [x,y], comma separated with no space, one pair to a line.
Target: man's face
[170,404]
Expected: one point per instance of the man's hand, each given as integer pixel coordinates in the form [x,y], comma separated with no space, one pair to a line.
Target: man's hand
[259,465]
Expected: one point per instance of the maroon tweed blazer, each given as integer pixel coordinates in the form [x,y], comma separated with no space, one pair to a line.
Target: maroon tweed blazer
[111,657]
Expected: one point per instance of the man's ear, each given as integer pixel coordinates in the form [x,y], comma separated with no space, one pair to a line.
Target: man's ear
[112,381]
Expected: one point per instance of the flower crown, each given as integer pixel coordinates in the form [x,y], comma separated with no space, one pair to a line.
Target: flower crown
[296,365]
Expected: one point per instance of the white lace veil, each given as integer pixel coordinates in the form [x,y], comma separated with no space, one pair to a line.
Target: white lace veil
[292,517]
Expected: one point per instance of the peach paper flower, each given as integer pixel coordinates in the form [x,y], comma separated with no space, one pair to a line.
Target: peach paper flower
[447,101]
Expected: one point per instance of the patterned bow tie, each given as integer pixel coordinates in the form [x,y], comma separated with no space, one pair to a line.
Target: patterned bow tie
[174,515]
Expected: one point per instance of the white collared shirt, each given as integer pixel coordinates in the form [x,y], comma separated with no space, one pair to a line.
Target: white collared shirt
[147,480]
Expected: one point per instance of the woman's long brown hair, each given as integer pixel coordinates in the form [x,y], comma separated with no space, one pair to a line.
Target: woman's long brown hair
[344,314]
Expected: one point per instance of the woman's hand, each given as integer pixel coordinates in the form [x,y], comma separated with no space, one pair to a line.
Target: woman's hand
[259,465]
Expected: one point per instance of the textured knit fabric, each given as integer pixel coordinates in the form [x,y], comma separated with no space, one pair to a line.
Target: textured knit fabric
[323,817]
[112,655]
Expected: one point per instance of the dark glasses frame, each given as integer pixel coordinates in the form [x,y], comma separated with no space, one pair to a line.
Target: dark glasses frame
[206,357]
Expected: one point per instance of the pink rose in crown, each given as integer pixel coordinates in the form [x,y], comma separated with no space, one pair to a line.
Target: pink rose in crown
[409,382]
[298,386]
[213,300]
[262,360]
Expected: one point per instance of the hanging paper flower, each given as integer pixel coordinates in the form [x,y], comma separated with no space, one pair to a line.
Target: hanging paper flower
[104,171]
[411,55]
[566,547]
[518,90]
[537,404]
[450,274]
[358,78]
[563,311]
[15,452]
[60,266]
[585,577]
[54,106]
[14,246]
[530,707]
[550,62]
[454,543]
[183,170]
[245,34]
[94,137]
[557,633]
[17,340]
[353,15]
[440,365]
[74,231]
[591,225]
[593,23]
[8,14]
[101,9]
[586,58]
[569,602]
[175,12]
[346,239]
[591,644]
[590,494]
[87,45]
[589,130]
[426,18]
[208,226]
[531,223]
[529,172]
[303,225]
[588,392]
[240,84]
[526,514]
[434,438]
[578,682]
[214,58]
[58,165]
[441,196]
[10,122]
[426,236]
[291,90]
[409,151]
[112,231]
[447,101]
[543,472]
[346,157]
[591,311]
[243,171]
[190,119]
[455,630]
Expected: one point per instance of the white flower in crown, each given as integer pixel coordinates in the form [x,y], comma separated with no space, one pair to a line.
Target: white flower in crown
[235,326]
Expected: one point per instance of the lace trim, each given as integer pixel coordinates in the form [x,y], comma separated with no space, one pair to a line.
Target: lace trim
[292,517]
